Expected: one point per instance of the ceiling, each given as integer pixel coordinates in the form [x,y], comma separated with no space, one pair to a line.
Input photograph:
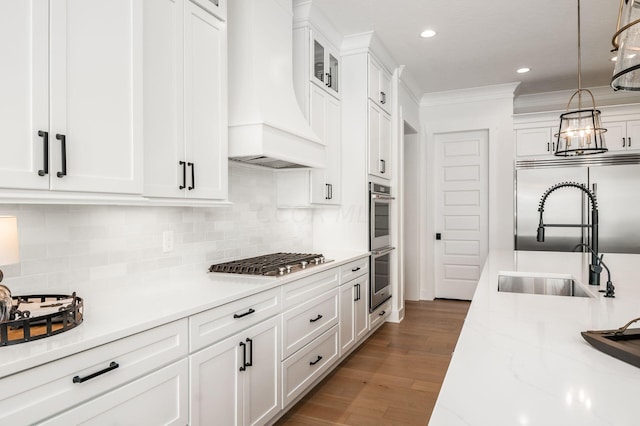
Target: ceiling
[482,43]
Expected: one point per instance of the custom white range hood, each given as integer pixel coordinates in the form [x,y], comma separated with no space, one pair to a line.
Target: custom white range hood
[266,126]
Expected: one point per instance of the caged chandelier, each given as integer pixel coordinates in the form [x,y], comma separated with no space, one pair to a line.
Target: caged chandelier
[581,132]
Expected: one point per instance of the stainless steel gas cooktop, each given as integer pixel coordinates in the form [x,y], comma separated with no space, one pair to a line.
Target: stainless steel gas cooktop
[275,264]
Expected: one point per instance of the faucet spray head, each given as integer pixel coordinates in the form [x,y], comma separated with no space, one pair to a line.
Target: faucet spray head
[540,236]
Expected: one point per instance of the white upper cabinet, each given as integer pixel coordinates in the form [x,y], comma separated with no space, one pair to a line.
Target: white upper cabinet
[379,142]
[24,85]
[536,141]
[324,118]
[379,85]
[72,75]
[622,135]
[185,102]
[325,67]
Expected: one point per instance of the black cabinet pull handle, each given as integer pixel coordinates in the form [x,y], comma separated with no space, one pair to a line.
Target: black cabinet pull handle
[548,147]
[357,287]
[383,166]
[383,98]
[355,269]
[63,148]
[45,144]
[193,176]
[243,345]
[316,361]
[328,80]
[316,318]
[250,342]
[553,146]
[331,191]
[112,366]
[249,312]
[184,174]
[624,142]
[382,313]
[326,187]
[629,144]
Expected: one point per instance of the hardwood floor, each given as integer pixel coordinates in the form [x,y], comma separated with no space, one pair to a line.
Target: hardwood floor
[394,377]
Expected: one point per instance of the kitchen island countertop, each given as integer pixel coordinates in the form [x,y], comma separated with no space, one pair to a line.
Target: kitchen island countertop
[520,358]
[140,303]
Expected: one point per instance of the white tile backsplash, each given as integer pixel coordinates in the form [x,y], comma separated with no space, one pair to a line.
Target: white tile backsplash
[65,245]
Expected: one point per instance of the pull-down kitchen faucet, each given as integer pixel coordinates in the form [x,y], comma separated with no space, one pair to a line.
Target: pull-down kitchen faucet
[594,267]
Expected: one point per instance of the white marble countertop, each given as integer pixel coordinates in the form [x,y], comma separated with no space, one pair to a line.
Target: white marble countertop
[520,359]
[143,303]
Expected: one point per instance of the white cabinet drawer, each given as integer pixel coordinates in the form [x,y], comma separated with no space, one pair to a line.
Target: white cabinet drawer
[377,317]
[43,391]
[215,324]
[302,290]
[159,398]
[300,370]
[304,323]
[353,270]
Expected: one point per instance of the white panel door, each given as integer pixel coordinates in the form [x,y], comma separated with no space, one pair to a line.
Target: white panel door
[462,212]
[205,104]
[24,89]
[96,95]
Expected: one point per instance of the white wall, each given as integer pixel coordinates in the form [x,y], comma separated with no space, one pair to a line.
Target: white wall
[411,216]
[63,245]
[462,110]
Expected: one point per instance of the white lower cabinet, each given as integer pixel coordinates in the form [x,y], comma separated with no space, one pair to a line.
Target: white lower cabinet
[377,317]
[42,392]
[354,315]
[237,381]
[302,368]
[159,398]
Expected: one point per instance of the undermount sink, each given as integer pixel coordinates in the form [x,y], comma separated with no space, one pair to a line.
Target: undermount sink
[553,285]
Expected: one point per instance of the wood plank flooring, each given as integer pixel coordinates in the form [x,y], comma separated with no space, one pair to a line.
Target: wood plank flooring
[393,378]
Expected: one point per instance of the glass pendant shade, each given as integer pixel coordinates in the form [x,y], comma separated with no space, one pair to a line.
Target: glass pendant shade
[626,41]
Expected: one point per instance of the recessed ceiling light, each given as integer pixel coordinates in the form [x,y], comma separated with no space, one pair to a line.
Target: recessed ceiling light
[427,33]
[523,70]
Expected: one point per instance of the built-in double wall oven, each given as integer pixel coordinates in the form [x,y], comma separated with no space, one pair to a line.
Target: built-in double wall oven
[380,244]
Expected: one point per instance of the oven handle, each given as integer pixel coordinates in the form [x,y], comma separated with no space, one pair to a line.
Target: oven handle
[383,251]
[381,197]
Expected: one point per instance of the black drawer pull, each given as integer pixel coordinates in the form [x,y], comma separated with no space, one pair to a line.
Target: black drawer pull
[193,176]
[316,318]
[316,361]
[250,363]
[112,366]
[355,269]
[244,356]
[63,148]
[249,312]
[184,174]
[382,313]
[45,144]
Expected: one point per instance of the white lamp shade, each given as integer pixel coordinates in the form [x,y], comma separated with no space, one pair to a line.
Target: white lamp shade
[9,252]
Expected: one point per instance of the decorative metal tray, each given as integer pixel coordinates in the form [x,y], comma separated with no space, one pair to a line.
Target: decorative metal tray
[622,343]
[39,316]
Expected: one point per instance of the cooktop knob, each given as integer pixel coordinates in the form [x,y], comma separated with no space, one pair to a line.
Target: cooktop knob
[281,270]
[321,259]
[288,268]
[304,264]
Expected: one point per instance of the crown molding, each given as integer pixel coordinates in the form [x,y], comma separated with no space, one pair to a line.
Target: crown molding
[556,101]
[476,94]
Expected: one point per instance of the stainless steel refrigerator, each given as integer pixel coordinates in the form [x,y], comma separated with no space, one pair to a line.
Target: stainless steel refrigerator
[614,179]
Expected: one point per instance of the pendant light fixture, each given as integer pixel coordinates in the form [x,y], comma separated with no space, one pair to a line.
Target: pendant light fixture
[581,132]
[626,41]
